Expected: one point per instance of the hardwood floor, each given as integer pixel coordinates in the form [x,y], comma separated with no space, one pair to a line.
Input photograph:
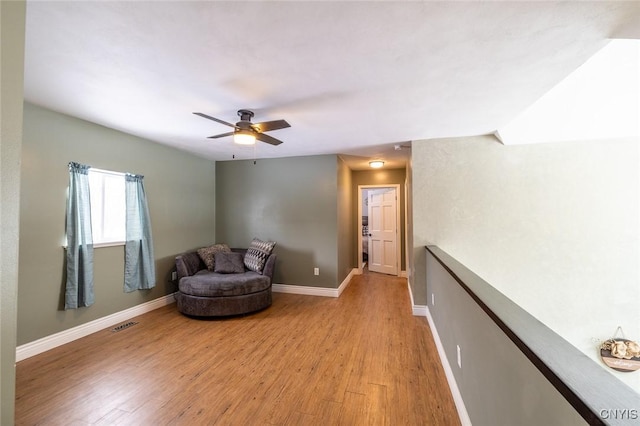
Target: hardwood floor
[361,359]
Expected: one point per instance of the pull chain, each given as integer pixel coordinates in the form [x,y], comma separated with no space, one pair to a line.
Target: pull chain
[255,150]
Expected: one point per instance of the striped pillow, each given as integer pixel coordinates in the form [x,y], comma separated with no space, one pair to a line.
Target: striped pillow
[257,254]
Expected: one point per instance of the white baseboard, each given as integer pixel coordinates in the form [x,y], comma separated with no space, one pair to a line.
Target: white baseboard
[453,386]
[49,342]
[315,291]
[306,290]
[360,271]
[345,283]
[416,310]
[419,310]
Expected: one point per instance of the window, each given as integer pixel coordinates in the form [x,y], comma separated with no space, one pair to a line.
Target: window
[108,210]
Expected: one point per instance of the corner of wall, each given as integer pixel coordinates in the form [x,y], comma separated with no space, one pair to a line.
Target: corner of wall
[12,27]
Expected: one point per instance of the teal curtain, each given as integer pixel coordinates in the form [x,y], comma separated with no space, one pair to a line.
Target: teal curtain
[79,285]
[139,263]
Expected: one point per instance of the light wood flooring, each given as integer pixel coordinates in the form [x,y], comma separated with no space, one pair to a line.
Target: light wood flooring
[361,359]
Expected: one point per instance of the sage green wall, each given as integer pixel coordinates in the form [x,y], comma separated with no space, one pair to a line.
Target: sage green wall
[12,23]
[553,226]
[180,190]
[345,222]
[292,201]
[380,177]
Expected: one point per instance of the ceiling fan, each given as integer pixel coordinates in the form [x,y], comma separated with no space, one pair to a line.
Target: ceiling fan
[245,132]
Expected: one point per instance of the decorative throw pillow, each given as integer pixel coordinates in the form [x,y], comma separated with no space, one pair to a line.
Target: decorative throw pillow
[257,254]
[207,254]
[229,263]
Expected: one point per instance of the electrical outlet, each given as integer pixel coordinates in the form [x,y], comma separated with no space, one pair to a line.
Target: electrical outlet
[433,299]
[459,357]
[174,275]
[316,271]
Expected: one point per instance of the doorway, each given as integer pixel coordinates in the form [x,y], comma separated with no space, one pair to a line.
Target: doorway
[379,228]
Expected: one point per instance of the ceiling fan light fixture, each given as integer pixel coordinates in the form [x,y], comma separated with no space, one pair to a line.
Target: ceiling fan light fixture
[243,137]
[376,164]
[246,133]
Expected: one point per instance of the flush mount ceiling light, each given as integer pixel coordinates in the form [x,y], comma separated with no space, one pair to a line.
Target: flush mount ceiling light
[244,137]
[376,164]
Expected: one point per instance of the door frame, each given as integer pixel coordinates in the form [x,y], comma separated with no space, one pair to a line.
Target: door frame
[396,186]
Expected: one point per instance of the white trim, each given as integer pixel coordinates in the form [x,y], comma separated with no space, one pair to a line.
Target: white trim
[419,310]
[345,283]
[402,274]
[396,186]
[416,310]
[453,386]
[102,245]
[306,290]
[315,291]
[109,244]
[49,342]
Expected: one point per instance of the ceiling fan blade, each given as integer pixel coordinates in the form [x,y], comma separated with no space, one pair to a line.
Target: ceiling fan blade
[222,135]
[214,119]
[268,139]
[267,126]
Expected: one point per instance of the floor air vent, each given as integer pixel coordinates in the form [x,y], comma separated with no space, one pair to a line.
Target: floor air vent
[123,326]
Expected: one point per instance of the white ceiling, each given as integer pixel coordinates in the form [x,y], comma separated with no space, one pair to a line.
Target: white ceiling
[352,78]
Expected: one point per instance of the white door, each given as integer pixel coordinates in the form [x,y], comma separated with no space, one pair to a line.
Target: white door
[383,231]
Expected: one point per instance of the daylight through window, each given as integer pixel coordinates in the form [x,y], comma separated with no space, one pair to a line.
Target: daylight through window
[107,206]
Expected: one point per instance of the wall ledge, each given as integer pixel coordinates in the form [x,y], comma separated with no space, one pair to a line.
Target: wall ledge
[586,386]
[58,339]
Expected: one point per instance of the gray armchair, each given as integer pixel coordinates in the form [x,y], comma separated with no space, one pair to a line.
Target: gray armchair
[206,293]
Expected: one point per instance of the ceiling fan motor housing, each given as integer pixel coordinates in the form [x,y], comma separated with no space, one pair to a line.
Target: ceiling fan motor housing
[245,114]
